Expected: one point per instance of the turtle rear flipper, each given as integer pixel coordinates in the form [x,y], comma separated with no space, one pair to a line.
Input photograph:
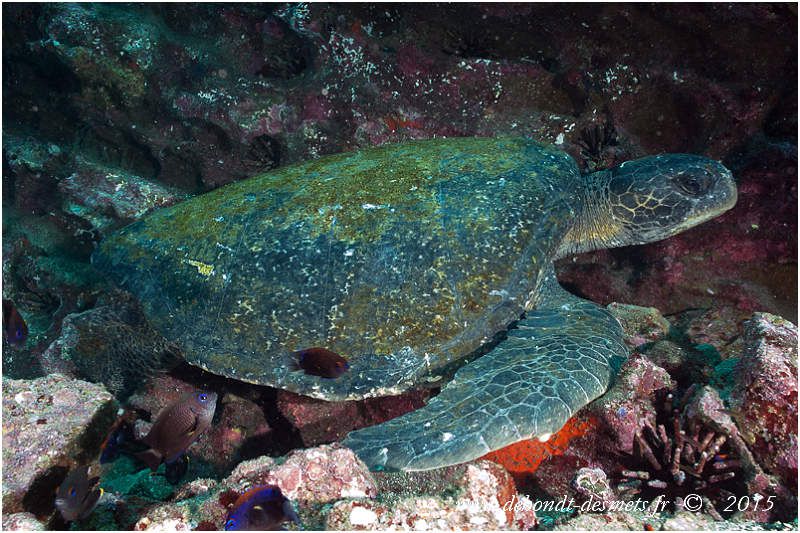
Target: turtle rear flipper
[558,359]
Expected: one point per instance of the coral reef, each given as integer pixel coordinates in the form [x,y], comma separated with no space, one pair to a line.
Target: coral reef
[619,449]
[321,474]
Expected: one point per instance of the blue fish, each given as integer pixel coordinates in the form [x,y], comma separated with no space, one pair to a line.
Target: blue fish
[262,508]
[15,330]
[120,438]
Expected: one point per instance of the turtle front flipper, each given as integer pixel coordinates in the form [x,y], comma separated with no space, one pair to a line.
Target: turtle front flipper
[557,359]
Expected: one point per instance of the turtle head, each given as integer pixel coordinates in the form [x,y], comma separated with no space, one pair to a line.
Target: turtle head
[649,199]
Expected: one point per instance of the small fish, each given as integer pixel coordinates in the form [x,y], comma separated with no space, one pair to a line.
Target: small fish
[15,330]
[262,508]
[175,470]
[178,425]
[321,362]
[120,438]
[110,448]
[77,496]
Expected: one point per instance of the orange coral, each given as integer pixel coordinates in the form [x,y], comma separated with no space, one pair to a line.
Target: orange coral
[524,457]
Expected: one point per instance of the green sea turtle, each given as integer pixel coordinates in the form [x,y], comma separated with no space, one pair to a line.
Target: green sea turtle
[406,258]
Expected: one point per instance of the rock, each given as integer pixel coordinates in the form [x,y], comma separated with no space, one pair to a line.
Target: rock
[251,472]
[240,431]
[36,169]
[128,478]
[309,477]
[707,407]
[162,519]
[50,425]
[686,363]
[670,356]
[686,521]
[593,484]
[193,97]
[109,199]
[137,498]
[420,514]
[323,474]
[112,344]
[607,521]
[764,397]
[718,327]
[640,324]
[124,104]
[22,522]
[47,276]
[320,422]
[479,495]
[628,401]
[196,487]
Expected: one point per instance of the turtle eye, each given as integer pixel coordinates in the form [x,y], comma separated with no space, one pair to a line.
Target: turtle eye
[693,184]
[203,397]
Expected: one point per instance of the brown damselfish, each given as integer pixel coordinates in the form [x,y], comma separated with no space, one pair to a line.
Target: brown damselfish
[77,496]
[15,330]
[178,425]
[321,362]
